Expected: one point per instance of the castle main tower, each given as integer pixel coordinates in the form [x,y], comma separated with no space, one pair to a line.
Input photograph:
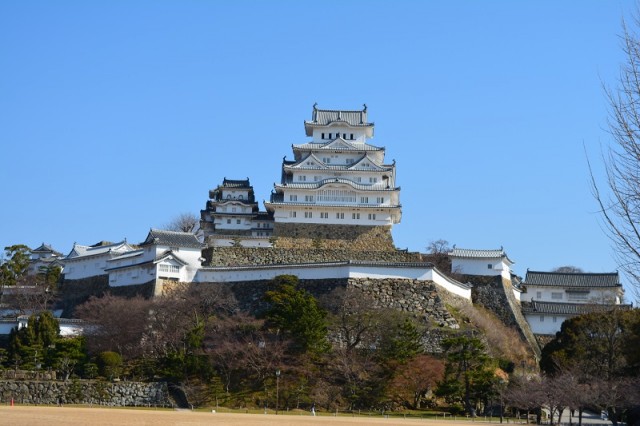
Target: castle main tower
[335,179]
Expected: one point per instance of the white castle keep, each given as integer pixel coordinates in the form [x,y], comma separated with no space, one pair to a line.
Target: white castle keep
[337,178]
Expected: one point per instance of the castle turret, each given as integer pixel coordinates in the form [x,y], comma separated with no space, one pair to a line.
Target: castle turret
[233,211]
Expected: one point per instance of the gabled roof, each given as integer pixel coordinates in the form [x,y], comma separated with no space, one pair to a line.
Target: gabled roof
[231,183]
[331,146]
[480,254]
[46,248]
[171,239]
[572,279]
[97,249]
[169,254]
[359,165]
[332,180]
[572,309]
[355,166]
[127,255]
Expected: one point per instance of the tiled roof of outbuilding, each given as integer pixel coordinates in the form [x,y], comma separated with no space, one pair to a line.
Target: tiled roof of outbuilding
[572,309]
[172,239]
[572,279]
[479,254]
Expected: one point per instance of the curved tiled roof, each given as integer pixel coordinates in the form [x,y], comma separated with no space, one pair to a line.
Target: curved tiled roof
[572,309]
[479,254]
[79,250]
[327,116]
[46,248]
[172,239]
[572,279]
[325,146]
[236,183]
[321,183]
[279,200]
[355,166]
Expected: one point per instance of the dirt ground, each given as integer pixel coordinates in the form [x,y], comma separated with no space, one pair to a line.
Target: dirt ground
[51,416]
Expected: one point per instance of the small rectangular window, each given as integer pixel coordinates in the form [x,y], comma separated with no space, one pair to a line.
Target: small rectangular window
[489,266]
[556,295]
[238,221]
[351,136]
[541,318]
[538,295]
[323,136]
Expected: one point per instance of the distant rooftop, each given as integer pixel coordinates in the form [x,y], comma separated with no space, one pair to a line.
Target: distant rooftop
[46,248]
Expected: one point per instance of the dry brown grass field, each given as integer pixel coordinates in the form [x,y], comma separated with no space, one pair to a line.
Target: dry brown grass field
[52,416]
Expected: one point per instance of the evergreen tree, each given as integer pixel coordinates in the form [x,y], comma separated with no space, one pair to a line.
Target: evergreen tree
[296,313]
[467,375]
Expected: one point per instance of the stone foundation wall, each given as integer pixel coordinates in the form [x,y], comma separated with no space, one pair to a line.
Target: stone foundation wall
[76,292]
[411,296]
[246,256]
[421,299]
[120,394]
[353,237]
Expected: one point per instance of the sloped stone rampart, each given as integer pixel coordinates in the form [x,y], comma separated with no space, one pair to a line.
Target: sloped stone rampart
[120,394]
[496,294]
[315,235]
[247,256]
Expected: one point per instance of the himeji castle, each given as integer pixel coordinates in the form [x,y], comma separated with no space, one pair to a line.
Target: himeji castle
[337,178]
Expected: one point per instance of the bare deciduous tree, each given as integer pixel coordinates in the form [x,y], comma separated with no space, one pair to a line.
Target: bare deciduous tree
[184,222]
[620,201]
[568,269]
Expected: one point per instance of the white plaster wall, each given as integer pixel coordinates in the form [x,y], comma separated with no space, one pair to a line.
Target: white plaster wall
[358,135]
[479,267]
[84,267]
[545,324]
[282,215]
[517,293]
[543,294]
[235,194]
[334,271]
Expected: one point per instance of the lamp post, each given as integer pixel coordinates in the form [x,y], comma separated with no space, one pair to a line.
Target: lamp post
[277,390]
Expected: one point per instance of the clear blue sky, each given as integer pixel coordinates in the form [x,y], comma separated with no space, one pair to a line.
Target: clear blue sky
[116,116]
